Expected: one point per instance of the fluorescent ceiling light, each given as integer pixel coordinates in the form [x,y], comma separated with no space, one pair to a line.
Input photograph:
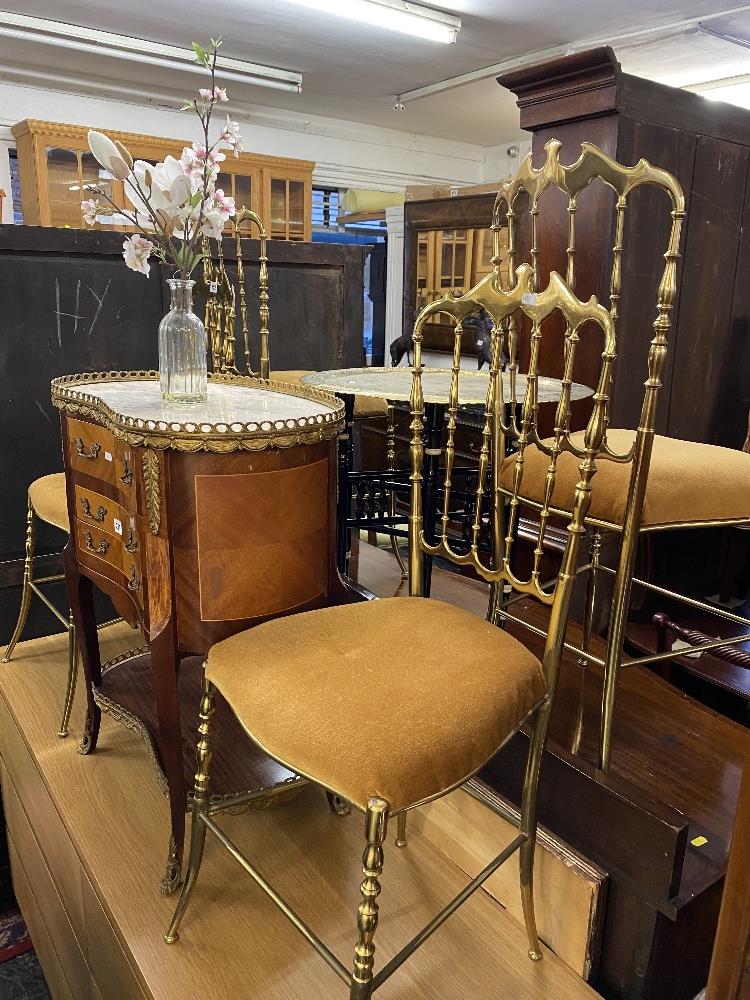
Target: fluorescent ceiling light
[70,36]
[397,15]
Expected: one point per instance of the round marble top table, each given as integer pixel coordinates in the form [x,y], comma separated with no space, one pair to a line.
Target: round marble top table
[395,384]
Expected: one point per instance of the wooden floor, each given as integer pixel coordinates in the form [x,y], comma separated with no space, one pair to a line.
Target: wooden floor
[234,943]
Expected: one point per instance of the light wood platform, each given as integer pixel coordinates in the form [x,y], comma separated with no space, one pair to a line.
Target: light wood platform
[87,840]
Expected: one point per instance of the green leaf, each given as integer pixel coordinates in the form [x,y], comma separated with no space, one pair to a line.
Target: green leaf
[200,54]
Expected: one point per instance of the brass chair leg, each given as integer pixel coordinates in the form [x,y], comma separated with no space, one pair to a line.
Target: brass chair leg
[28,576]
[72,677]
[529,826]
[588,625]
[401,830]
[337,805]
[615,643]
[200,807]
[376,824]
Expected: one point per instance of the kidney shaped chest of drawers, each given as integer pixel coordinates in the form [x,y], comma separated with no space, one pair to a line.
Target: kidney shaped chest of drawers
[198,521]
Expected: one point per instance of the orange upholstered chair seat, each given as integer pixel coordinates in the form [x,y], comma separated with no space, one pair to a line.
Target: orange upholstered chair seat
[401,698]
[48,498]
[687,482]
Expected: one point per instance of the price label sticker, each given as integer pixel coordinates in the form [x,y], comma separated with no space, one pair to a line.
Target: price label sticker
[529,298]
[213,287]
[118,526]
[107,456]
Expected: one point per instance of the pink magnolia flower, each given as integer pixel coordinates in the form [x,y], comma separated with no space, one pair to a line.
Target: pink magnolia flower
[136,250]
[217,94]
[231,135]
[193,161]
[90,208]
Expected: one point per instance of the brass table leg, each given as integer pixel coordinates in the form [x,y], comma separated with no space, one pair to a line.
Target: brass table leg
[376,823]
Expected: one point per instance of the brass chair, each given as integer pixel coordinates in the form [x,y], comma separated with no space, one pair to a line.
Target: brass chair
[391,731]
[47,501]
[653,483]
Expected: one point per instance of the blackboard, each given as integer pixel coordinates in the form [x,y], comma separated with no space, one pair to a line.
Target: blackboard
[69,305]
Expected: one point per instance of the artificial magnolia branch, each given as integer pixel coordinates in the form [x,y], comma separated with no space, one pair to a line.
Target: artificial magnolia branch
[175,203]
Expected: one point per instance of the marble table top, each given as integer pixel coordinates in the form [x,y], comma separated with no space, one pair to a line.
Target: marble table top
[237,411]
[395,384]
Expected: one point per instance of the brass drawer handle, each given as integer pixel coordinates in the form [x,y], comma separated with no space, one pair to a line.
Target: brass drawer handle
[99,549]
[101,512]
[81,449]
[127,476]
[132,543]
[134,583]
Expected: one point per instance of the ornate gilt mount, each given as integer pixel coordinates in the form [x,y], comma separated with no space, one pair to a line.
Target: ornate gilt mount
[152,489]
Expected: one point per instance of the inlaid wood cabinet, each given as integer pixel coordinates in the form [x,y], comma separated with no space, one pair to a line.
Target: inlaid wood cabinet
[55,165]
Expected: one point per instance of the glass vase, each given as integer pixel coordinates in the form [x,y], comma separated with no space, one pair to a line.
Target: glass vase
[183,364]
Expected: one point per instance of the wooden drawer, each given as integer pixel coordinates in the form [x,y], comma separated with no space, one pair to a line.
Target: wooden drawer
[55,844]
[43,946]
[110,968]
[92,449]
[97,511]
[68,946]
[93,543]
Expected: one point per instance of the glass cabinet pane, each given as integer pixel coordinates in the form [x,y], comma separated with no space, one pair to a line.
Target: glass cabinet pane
[242,191]
[296,202]
[64,187]
[92,173]
[279,212]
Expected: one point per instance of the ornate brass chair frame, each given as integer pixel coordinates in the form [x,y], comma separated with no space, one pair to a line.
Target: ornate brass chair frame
[592,165]
[31,586]
[221,313]
[502,306]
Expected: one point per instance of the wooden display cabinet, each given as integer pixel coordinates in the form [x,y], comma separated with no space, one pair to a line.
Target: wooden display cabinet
[55,164]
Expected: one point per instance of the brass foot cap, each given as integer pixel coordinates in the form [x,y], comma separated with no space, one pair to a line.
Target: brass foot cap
[535,956]
[171,938]
[400,843]
[62,733]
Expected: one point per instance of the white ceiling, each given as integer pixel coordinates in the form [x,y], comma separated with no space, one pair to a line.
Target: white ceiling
[353,72]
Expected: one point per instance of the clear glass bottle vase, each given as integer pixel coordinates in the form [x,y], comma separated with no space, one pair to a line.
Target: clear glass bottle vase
[183,364]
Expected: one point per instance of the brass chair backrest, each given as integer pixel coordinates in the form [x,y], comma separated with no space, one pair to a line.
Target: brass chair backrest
[221,313]
[501,419]
[591,166]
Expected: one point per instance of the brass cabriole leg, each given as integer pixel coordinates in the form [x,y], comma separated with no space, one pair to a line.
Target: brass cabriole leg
[28,576]
[72,676]
[200,807]
[588,624]
[529,826]
[401,830]
[376,823]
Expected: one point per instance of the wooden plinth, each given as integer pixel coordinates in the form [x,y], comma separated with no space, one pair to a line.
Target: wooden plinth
[87,840]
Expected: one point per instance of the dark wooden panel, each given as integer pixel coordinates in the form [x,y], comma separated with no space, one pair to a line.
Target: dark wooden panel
[71,305]
[646,237]
[708,280]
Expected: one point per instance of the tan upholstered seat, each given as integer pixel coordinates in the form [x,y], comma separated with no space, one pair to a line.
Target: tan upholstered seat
[364,406]
[47,497]
[687,482]
[401,698]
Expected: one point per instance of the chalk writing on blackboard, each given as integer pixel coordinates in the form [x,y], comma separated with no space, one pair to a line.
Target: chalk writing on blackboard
[77,315]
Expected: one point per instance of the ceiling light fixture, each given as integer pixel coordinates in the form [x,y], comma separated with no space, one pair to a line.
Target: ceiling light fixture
[396,15]
[105,43]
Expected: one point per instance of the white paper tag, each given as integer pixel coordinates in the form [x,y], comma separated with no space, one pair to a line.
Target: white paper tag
[118,526]
[107,456]
[213,287]
[529,298]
